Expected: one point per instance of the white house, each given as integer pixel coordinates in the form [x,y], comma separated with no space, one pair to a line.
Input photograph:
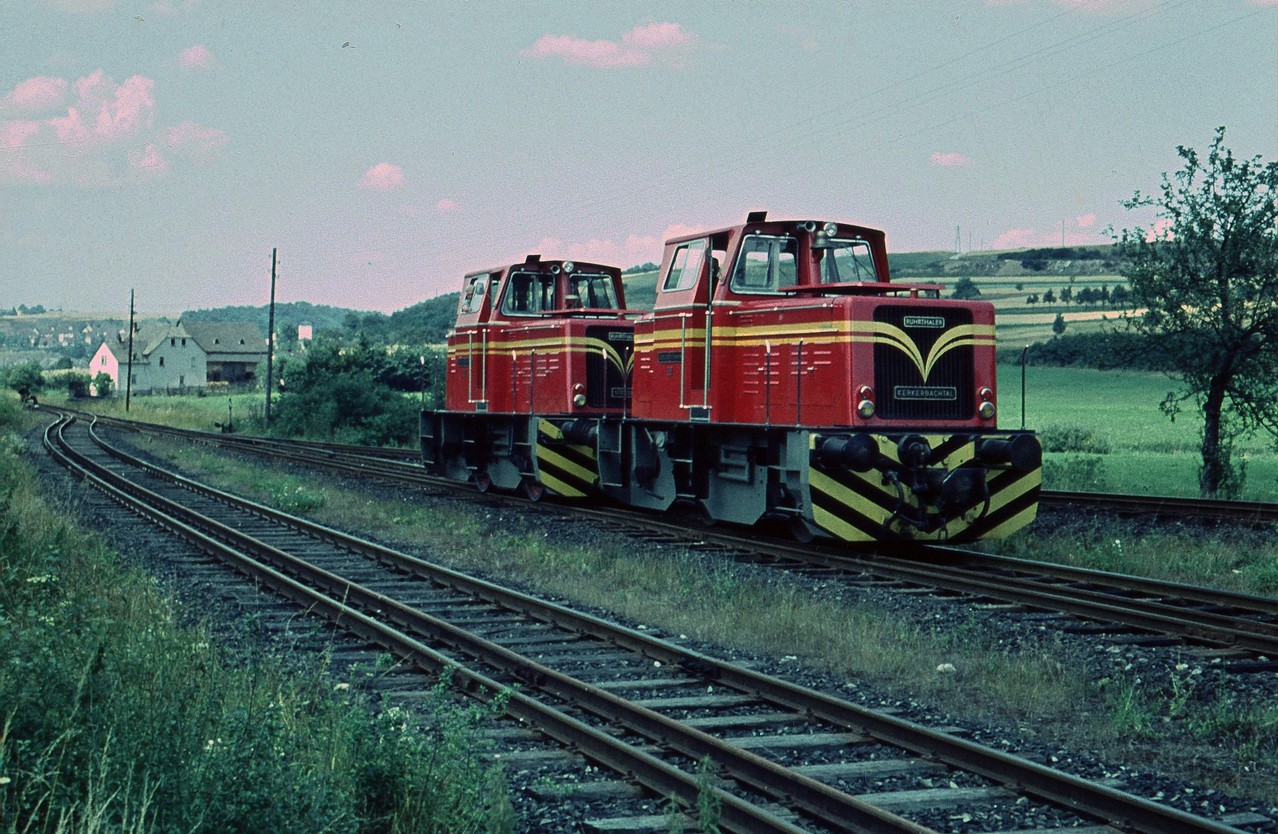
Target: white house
[173,357]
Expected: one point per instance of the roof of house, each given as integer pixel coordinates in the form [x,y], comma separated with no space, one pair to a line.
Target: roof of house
[228,341]
[221,341]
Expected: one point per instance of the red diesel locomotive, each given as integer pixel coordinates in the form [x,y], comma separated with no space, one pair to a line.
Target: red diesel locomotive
[781,375]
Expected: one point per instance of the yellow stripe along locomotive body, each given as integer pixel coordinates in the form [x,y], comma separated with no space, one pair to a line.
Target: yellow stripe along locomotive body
[780,376]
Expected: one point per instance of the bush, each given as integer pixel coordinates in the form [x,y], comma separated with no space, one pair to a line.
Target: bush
[1057,438]
[27,376]
[1081,473]
[344,391]
[102,383]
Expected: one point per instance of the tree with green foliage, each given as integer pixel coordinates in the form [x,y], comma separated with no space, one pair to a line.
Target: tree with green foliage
[27,379]
[1058,325]
[343,390]
[965,288]
[102,384]
[1207,276]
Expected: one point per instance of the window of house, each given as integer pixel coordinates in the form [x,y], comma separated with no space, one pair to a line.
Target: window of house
[161,361]
[172,342]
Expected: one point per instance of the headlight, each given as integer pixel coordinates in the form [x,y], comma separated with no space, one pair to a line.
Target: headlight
[579,400]
[569,266]
[830,229]
[986,410]
[865,408]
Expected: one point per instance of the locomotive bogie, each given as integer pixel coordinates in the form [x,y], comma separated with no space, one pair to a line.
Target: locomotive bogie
[513,452]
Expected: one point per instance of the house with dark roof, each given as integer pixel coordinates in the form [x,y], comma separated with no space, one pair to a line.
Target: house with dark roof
[175,357]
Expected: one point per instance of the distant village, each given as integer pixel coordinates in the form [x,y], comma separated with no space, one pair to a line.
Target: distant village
[166,355]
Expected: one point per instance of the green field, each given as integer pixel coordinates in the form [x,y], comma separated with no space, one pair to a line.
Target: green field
[1125,443]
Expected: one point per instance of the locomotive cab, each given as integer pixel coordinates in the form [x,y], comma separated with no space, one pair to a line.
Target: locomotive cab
[536,346]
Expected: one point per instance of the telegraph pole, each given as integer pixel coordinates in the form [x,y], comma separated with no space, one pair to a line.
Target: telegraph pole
[270,343]
[128,378]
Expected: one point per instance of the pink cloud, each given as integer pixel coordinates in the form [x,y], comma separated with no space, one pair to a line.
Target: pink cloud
[109,128]
[1085,221]
[149,160]
[16,133]
[446,205]
[132,107]
[194,140]
[630,251]
[116,111]
[38,93]
[950,159]
[197,57]
[640,47]
[382,177]
[1030,238]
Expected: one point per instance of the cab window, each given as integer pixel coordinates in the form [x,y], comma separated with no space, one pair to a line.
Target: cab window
[685,266]
[846,262]
[592,291]
[473,295]
[765,264]
[528,294]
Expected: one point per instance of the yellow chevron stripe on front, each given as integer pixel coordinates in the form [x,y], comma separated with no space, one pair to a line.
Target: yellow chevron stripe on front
[855,502]
[1003,497]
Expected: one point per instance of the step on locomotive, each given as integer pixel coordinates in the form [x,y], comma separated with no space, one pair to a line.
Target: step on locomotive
[781,376]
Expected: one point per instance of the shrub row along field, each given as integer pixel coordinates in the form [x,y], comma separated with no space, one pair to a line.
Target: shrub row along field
[114,716]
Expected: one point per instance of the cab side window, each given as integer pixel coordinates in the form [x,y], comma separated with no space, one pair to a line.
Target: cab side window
[473,295]
[685,267]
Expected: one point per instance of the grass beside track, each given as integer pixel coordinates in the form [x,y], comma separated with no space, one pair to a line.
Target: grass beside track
[1038,685]
[115,716]
[1102,431]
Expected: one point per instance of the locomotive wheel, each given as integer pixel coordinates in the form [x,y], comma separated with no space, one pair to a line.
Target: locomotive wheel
[483,482]
[801,530]
[532,490]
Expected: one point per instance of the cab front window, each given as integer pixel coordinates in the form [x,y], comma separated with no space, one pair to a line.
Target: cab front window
[591,291]
[765,264]
[847,262]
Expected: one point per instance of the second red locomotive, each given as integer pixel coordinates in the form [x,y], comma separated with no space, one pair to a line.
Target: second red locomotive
[781,375]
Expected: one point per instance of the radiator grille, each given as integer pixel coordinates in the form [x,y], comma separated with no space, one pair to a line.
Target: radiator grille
[607,385]
[901,391]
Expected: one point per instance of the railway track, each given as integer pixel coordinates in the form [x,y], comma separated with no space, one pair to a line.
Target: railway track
[784,758]
[1106,603]
[1257,513]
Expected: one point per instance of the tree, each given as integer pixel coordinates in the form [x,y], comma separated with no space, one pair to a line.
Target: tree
[26,378]
[1207,274]
[965,288]
[102,384]
[1058,324]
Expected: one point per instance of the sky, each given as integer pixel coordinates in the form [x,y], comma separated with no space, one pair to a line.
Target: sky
[386,148]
